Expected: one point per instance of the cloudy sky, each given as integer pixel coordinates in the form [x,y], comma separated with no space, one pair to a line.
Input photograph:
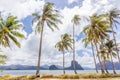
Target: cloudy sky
[27,54]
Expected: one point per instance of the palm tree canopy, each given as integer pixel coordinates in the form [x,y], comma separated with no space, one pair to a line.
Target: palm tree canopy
[9,31]
[76,19]
[97,29]
[109,47]
[65,43]
[49,15]
[103,52]
[59,45]
[2,59]
[113,15]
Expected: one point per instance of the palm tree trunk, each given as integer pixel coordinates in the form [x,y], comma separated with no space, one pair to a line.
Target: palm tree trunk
[63,62]
[113,67]
[103,63]
[74,50]
[101,66]
[39,55]
[94,57]
[116,44]
[105,66]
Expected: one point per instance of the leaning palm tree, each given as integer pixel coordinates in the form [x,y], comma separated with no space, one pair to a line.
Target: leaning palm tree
[104,56]
[64,44]
[111,50]
[86,42]
[113,15]
[95,31]
[50,17]
[76,21]
[9,31]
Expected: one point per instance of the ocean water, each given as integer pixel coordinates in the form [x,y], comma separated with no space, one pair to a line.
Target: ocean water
[55,72]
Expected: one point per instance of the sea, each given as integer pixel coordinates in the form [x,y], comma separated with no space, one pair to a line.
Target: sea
[42,72]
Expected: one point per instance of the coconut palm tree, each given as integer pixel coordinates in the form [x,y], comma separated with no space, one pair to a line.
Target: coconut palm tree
[9,31]
[59,45]
[76,21]
[95,31]
[64,44]
[111,50]
[104,56]
[50,17]
[113,15]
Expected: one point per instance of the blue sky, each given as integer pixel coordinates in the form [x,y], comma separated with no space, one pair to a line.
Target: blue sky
[28,52]
[64,3]
[27,24]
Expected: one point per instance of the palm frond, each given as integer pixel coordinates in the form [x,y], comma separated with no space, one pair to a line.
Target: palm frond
[14,40]
[17,34]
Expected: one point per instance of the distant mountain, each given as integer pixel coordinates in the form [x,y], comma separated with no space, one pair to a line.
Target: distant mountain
[53,67]
[109,65]
[57,67]
[44,67]
[20,67]
[78,66]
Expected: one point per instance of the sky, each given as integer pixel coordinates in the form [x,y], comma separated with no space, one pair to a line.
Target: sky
[27,54]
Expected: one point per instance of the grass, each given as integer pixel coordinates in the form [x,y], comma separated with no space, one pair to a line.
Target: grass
[79,76]
[9,77]
[65,76]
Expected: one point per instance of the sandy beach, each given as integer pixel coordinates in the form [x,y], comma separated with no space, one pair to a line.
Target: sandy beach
[82,79]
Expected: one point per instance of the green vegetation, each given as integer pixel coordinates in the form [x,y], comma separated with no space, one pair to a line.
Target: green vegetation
[76,21]
[64,44]
[94,32]
[112,16]
[97,33]
[8,31]
[50,16]
[2,60]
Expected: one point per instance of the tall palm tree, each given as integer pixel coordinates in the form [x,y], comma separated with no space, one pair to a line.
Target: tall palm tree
[94,56]
[86,42]
[95,31]
[76,21]
[64,44]
[111,50]
[113,15]
[104,56]
[9,31]
[50,17]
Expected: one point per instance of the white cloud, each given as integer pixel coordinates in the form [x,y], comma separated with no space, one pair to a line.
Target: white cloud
[50,55]
[20,8]
[71,1]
